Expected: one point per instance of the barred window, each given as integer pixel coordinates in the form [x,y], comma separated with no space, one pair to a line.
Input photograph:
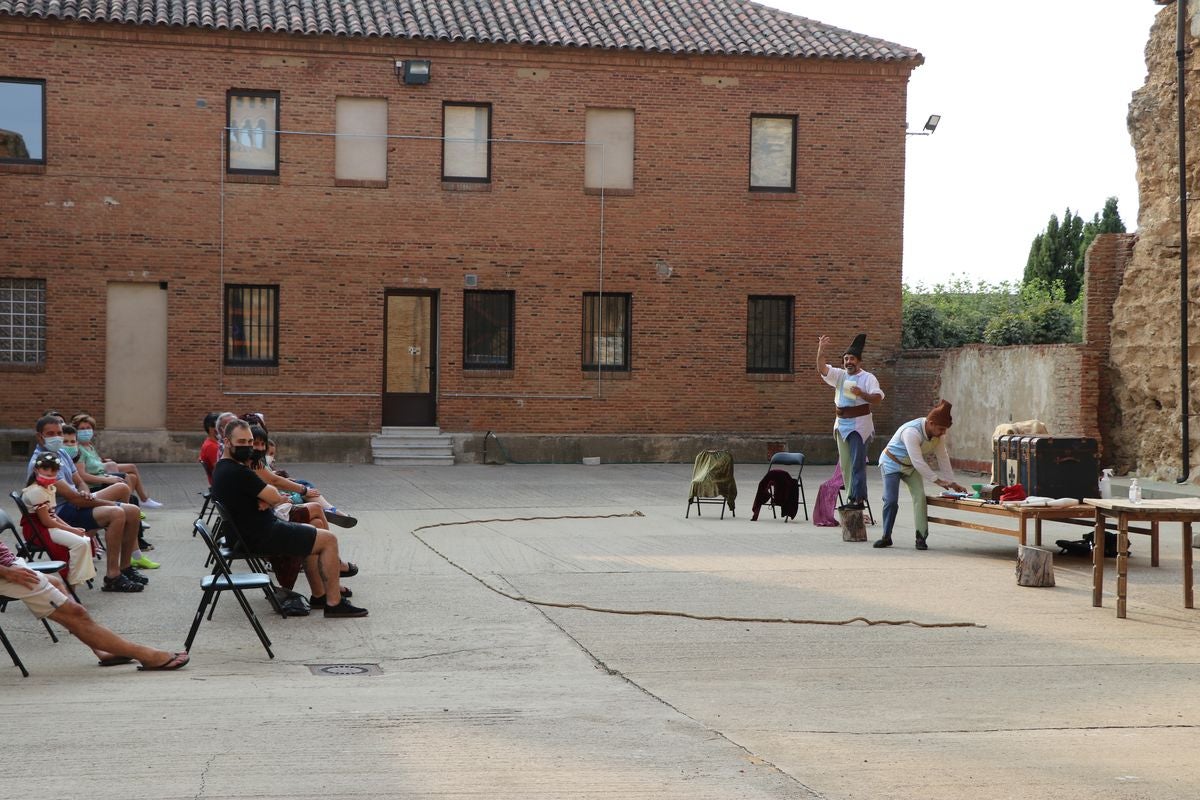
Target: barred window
[252,325]
[488,329]
[769,334]
[22,321]
[606,331]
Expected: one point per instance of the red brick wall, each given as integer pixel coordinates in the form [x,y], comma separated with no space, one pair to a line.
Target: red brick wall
[1104,270]
[123,123]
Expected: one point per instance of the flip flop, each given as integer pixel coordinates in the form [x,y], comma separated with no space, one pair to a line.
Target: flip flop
[176,661]
[114,661]
[350,571]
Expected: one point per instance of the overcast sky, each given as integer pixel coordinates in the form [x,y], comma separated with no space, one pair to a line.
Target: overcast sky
[1033,96]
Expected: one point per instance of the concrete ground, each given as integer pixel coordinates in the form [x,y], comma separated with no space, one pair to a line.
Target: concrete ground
[483,696]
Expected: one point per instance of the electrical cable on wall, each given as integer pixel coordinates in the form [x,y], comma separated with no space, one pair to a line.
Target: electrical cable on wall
[647,612]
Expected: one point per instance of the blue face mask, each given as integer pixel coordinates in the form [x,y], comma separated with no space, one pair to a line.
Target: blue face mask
[86,434]
[54,443]
[72,449]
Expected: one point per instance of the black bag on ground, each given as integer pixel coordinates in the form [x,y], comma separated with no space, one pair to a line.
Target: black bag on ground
[1083,547]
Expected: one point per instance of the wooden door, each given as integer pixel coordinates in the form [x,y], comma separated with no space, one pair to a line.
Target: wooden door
[410,359]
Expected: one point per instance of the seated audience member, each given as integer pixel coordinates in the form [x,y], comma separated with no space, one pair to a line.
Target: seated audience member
[39,498]
[302,492]
[103,509]
[100,466]
[45,596]
[250,502]
[210,450]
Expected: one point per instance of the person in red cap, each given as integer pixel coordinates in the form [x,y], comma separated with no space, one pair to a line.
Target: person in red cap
[855,390]
[906,458]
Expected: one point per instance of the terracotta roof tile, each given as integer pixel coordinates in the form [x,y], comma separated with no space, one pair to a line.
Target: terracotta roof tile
[723,27]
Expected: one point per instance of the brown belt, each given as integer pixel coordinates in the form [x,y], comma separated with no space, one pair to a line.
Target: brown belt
[850,412]
[895,458]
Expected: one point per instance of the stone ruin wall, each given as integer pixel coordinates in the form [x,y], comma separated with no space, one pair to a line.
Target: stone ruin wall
[1145,431]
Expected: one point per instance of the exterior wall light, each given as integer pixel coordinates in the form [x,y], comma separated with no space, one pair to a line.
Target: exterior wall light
[930,126]
[413,71]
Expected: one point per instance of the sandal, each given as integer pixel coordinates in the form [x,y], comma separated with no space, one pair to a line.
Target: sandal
[176,661]
[350,571]
[114,661]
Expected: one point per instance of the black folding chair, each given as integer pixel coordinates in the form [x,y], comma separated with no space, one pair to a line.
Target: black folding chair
[230,547]
[47,568]
[222,580]
[783,461]
[6,524]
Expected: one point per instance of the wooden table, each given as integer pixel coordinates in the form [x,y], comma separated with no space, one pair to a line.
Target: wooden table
[1182,510]
[1021,514]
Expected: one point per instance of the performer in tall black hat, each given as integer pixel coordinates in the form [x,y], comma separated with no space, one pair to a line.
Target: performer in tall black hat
[855,390]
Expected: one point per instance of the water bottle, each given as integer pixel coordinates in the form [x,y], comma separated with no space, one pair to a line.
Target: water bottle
[1106,484]
[1135,491]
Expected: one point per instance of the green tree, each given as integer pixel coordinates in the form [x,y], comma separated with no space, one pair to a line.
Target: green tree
[1053,254]
[1107,221]
[962,312]
[1057,253]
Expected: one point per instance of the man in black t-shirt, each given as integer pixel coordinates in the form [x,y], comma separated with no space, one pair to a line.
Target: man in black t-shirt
[250,502]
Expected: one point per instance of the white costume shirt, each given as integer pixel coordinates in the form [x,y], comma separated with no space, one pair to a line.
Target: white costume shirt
[840,380]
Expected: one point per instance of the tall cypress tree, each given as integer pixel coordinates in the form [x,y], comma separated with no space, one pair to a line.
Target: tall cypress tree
[1057,253]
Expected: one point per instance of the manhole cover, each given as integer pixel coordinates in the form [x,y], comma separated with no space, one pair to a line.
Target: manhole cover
[339,670]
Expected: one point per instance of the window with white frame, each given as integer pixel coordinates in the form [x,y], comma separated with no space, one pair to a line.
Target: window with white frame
[466,145]
[609,160]
[360,151]
[22,121]
[22,321]
[252,121]
[772,153]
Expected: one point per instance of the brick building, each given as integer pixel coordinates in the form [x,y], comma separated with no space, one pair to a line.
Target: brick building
[615,223]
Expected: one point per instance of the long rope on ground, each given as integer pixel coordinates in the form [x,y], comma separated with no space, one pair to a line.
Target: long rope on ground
[520,598]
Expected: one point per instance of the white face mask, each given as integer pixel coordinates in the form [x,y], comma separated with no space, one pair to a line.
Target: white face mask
[86,434]
[54,443]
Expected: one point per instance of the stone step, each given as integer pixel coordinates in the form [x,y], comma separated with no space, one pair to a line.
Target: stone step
[390,431]
[412,452]
[414,461]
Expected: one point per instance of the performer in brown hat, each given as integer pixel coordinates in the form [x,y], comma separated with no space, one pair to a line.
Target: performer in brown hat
[906,459]
[855,391]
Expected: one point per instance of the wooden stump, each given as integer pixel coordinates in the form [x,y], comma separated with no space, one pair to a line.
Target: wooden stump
[853,529]
[1035,566]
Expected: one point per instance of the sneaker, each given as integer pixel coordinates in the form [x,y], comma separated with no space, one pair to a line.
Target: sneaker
[318,601]
[135,576]
[884,542]
[336,517]
[142,562]
[143,544]
[344,609]
[150,502]
[120,584]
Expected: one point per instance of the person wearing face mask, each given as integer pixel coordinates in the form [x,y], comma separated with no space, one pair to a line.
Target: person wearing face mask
[250,501]
[98,466]
[855,390]
[107,508]
[40,498]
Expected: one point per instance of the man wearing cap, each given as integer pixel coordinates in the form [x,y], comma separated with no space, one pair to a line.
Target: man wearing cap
[855,390]
[906,459]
